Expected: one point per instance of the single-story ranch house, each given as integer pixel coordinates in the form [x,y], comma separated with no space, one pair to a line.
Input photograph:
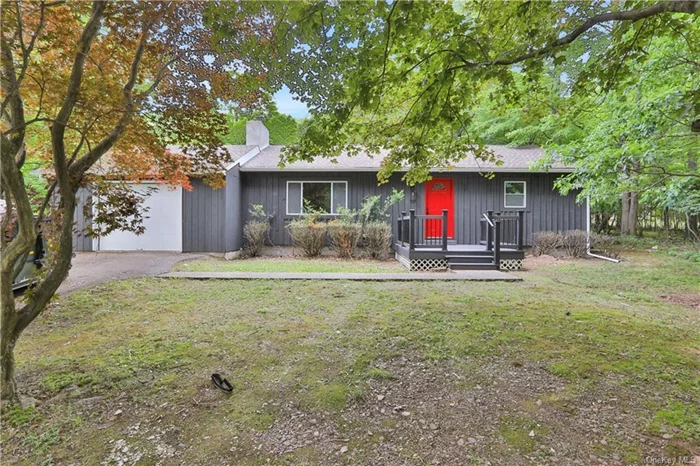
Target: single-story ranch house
[516,201]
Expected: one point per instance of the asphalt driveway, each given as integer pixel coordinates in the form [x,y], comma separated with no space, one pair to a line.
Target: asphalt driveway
[93,268]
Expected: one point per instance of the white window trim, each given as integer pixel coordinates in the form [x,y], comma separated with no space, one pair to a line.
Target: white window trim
[505,195]
[302,194]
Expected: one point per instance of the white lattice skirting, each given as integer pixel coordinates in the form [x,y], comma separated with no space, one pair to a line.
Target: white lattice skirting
[425,265]
[422,265]
[511,264]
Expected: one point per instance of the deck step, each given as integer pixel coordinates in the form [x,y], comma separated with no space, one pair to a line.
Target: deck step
[470,260]
[459,255]
[471,266]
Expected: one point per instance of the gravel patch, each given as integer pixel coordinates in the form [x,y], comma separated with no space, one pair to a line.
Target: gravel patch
[444,413]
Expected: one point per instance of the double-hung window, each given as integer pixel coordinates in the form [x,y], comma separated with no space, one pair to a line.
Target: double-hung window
[515,195]
[316,196]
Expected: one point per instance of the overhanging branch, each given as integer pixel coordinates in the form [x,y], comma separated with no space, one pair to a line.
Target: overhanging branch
[689,7]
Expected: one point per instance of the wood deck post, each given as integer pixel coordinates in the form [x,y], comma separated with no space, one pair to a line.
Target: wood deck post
[412,229]
[497,245]
[489,232]
[521,229]
[444,229]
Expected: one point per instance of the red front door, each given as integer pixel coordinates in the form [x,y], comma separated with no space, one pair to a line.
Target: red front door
[439,195]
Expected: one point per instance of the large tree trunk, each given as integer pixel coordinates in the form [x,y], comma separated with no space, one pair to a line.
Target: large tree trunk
[692,221]
[630,205]
[14,320]
[7,340]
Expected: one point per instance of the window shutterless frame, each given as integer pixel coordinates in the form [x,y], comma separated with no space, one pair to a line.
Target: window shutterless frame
[301,183]
[505,195]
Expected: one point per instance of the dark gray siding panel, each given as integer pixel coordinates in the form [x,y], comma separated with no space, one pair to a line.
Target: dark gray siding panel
[474,195]
[82,243]
[270,190]
[234,222]
[545,208]
[203,218]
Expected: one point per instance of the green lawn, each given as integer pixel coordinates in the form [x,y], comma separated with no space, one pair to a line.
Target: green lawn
[582,360]
[291,264]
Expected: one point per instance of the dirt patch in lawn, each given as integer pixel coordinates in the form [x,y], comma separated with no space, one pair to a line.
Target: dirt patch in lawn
[494,412]
[689,300]
[535,262]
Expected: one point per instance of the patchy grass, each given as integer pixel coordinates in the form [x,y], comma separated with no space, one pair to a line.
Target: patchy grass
[335,396]
[585,354]
[290,264]
[660,243]
[16,415]
[519,432]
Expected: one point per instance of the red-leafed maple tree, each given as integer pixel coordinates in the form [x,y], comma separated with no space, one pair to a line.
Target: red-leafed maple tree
[83,80]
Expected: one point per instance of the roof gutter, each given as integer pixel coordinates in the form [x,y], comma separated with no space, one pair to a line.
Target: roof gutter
[376,169]
[588,234]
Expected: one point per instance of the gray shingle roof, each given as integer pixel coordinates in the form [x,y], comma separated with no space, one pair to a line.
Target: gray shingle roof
[105,164]
[235,152]
[514,159]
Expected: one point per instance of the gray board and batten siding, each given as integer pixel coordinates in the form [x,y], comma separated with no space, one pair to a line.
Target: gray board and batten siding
[203,218]
[211,218]
[474,194]
[269,189]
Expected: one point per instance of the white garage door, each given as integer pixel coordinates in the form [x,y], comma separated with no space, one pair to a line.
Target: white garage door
[163,225]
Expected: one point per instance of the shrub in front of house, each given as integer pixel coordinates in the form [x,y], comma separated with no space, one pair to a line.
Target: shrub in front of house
[377,239]
[376,232]
[309,234]
[575,243]
[256,231]
[344,237]
[545,242]
[373,210]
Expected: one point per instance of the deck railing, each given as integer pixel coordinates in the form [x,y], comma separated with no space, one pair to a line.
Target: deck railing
[512,229]
[422,231]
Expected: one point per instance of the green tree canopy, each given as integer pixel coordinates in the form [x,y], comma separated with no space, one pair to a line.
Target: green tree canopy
[407,76]
[283,128]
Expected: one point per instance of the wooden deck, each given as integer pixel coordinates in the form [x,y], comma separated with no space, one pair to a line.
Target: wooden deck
[454,249]
[424,243]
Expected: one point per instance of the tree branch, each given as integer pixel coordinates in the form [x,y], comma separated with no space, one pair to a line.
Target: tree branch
[45,204]
[659,170]
[79,167]
[13,92]
[689,7]
[47,288]
[388,37]
[13,181]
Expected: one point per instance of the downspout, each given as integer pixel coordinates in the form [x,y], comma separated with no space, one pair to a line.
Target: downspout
[588,234]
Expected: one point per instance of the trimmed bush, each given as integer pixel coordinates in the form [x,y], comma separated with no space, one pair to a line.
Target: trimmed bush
[255,231]
[344,237]
[575,243]
[255,234]
[308,234]
[545,242]
[377,239]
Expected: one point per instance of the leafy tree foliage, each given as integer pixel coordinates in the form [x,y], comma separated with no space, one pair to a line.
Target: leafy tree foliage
[102,87]
[283,128]
[407,76]
[635,137]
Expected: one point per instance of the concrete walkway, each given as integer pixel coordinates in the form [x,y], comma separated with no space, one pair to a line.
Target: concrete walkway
[470,275]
